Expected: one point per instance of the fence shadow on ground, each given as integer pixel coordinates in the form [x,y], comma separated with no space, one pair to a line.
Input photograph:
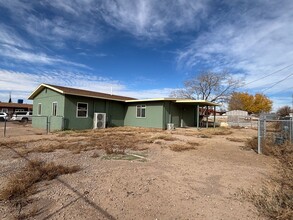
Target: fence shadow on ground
[15,128]
[79,194]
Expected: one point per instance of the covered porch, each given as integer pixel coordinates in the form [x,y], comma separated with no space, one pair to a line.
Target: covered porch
[191,113]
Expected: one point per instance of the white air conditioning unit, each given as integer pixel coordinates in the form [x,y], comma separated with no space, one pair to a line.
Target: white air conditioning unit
[99,120]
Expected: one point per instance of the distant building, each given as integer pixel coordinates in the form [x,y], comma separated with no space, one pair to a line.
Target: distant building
[237,113]
[10,108]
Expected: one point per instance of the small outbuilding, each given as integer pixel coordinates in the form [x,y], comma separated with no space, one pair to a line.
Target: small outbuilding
[70,108]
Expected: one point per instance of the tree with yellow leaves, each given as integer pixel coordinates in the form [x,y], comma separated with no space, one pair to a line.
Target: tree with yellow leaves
[251,103]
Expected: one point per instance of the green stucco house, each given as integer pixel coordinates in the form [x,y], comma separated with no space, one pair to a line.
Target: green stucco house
[59,108]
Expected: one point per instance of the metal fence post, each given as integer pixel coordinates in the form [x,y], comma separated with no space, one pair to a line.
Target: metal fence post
[4,127]
[290,128]
[259,137]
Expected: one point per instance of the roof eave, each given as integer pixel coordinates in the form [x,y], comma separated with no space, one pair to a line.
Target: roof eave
[151,100]
[40,88]
[199,102]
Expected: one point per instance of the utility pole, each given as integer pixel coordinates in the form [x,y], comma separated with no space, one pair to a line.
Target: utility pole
[9,98]
[291,110]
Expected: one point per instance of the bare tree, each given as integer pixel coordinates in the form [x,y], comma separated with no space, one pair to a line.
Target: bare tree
[211,86]
[284,111]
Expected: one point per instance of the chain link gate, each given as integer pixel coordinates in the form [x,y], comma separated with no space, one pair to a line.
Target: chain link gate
[274,132]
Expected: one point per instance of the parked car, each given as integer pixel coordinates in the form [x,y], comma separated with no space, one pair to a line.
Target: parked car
[3,116]
[22,116]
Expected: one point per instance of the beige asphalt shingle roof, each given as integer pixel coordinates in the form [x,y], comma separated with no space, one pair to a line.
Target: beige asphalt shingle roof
[79,92]
[92,94]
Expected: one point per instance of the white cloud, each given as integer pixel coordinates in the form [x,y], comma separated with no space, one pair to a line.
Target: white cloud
[16,48]
[58,30]
[85,20]
[141,18]
[9,37]
[255,41]
[146,93]
[9,81]
[152,19]
[59,26]
[37,58]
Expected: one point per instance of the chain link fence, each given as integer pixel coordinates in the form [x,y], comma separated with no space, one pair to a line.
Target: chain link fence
[242,121]
[39,125]
[274,132]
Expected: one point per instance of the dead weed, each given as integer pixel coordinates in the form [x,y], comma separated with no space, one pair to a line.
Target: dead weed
[216,131]
[22,185]
[275,200]
[182,147]
[234,139]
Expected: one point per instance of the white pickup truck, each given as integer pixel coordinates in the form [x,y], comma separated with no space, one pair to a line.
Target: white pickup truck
[22,116]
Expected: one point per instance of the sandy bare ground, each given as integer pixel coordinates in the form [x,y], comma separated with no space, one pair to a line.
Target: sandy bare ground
[203,183]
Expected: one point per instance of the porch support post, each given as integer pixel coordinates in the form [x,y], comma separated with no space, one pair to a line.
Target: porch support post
[214,116]
[207,117]
[197,116]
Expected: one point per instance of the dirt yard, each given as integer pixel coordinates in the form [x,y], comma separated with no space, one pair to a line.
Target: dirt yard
[134,173]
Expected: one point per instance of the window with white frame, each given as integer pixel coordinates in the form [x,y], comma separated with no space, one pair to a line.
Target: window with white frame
[54,108]
[39,108]
[82,110]
[140,111]
[4,110]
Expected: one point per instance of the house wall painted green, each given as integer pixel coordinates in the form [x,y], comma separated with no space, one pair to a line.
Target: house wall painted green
[114,110]
[45,98]
[158,113]
[180,115]
[153,115]
[71,121]
[66,117]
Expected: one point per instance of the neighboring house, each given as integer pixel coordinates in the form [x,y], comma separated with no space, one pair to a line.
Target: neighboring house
[237,113]
[69,108]
[11,108]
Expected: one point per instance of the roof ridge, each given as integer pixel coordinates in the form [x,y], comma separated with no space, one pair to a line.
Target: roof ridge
[79,92]
[85,90]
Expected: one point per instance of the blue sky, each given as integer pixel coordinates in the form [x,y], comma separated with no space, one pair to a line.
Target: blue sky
[145,48]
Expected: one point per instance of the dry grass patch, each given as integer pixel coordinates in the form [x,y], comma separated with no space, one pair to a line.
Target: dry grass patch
[219,131]
[112,140]
[165,137]
[182,147]
[251,143]
[20,186]
[193,143]
[234,139]
[275,200]
[204,136]
[95,155]
[268,146]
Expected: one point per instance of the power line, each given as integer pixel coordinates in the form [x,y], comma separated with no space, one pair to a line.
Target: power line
[278,82]
[269,74]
